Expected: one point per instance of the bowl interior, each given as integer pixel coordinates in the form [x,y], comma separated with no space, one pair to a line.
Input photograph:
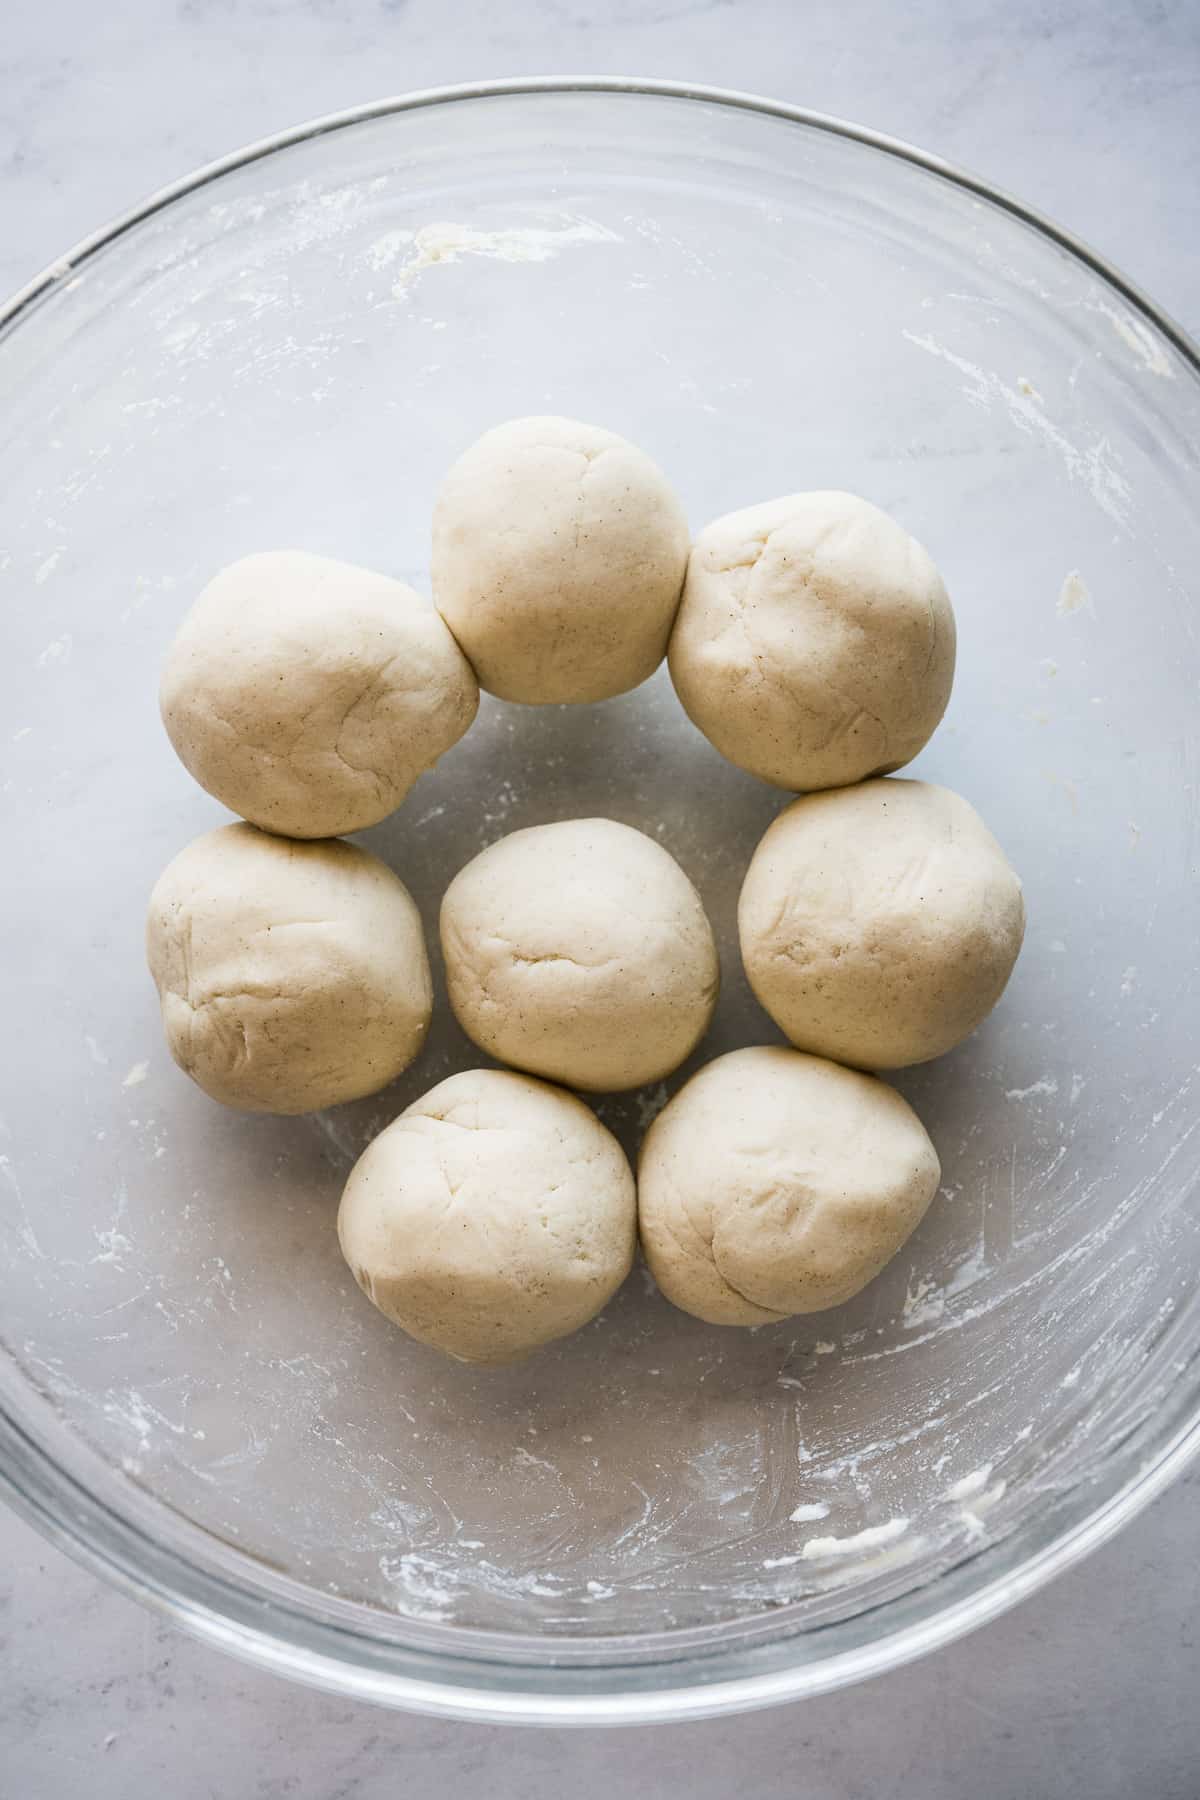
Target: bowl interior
[290,356]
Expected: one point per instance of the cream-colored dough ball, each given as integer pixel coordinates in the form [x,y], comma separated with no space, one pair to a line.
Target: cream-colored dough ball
[291,975]
[308,695]
[879,924]
[494,1215]
[776,1183]
[559,552]
[580,951]
[814,644]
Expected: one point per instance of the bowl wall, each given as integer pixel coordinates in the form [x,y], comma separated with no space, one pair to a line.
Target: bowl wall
[290,355]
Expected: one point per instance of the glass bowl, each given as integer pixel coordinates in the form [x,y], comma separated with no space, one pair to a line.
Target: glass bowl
[654,1519]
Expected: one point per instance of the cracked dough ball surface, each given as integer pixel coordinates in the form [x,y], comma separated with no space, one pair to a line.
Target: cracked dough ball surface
[494,1215]
[776,1183]
[308,695]
[814,644]
[291,975]
[582,952]
[559,552]
[879,924]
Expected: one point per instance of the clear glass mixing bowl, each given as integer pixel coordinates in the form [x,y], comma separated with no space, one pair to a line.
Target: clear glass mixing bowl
[287,350]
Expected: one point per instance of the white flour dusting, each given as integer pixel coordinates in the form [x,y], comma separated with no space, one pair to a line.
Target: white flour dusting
[113,1243]
[924,1304]
[870,1539]
[972,1516]
[1073,594]
[1095,467]
[1046,1086]
[818,1510]
[425,1588]
[974,1483]
[1136,337]
[384,251]
[447,243]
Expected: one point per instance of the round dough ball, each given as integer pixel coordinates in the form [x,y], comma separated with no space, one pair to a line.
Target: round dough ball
[580,951]
[291,976]
[308,695]
[559,552]
[775,1183]
[880,924]
[815,641]
[494,1215]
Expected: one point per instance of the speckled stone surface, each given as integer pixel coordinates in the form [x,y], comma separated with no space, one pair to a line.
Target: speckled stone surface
[1090,1688]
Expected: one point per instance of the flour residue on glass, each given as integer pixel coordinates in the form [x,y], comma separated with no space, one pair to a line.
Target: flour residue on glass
[872,1538]
[448,243]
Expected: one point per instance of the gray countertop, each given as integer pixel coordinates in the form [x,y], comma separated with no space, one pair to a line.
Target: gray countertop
[1087,112]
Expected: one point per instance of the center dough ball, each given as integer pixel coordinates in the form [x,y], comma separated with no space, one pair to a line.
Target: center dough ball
[494,1215]
[291,976]
[879,924]
[815,641]
[559,552]
[308,695]
[580,951]
[776,1183]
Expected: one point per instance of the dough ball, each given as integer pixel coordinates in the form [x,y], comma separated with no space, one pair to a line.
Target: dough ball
[880,924]
[559,553]
[308,695]
[775,1183]
[494,1215]
[815,641]
[580,951]
[291,976]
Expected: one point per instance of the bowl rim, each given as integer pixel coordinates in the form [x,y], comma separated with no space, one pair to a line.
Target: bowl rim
[68,1509]
[735,99]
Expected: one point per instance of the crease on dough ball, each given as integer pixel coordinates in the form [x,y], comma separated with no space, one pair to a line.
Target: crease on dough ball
[310,695]
[879,924]
[815,642]
[291,975]
[581,952]
[559,552]
[776,1183]
[493,1216]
